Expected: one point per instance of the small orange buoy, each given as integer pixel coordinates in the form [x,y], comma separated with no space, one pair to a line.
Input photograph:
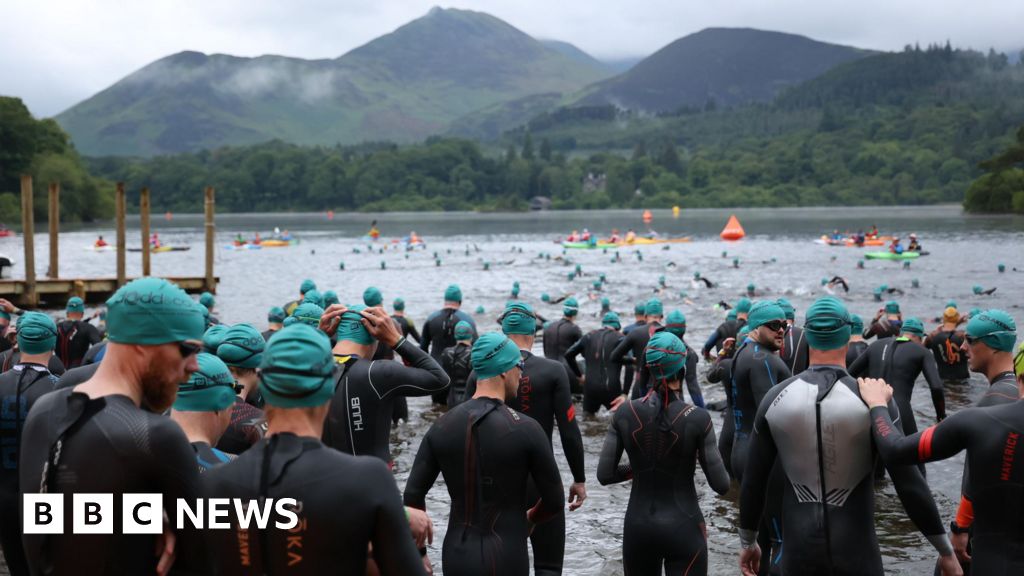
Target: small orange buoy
[733,231]
[648,217]
[330,214]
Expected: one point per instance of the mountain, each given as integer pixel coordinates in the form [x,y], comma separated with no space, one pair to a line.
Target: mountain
[576,54]
[728,66]
[402,86]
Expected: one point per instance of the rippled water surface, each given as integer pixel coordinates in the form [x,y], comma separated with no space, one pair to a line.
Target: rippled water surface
[778,256]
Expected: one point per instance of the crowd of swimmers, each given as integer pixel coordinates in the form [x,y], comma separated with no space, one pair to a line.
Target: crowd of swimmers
[166,399]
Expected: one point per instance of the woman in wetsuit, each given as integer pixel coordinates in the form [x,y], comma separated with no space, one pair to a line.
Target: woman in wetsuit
[664,437]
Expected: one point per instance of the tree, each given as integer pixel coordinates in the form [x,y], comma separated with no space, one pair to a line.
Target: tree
[528,147]
[545,150]
[669,159]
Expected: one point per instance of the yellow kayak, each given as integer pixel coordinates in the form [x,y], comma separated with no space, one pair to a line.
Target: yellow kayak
[647,241]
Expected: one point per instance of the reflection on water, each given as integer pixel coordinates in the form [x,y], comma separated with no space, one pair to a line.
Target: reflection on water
[778,256]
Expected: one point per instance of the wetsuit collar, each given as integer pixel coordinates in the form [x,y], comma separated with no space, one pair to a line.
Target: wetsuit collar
[1008,376]
[24,365]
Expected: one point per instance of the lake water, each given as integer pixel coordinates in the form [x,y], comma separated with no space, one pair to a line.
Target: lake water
[778,256]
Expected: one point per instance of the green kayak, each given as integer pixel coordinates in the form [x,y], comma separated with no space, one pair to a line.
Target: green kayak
[891,255]
[587,245]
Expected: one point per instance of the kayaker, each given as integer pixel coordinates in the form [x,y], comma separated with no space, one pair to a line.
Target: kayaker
[874,232]
[914,246]
[896,247]
[586,235]
[615,236]
[154,240]
[630,236]
[859,239]
[574,237]
[100,242]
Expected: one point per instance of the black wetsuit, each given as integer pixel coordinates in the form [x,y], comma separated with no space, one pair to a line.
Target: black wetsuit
[755,370]
[247,427]
[95,354]
[19,390]
[408,328]
[991,437]
[76,376]
[439,334]
[664,525]
[817,427]
[208,457]
[721,371]
[107,445]
[951,362]
[359,422]
[486,452]
[267,335]
[559,336]
[599,386]
[457,364]
[883,328]
[645,381]
[544,396]
[854,350]
[633,344]
[795,352]
[74,338]
[344,503]
[725,330]
[12,357]
[899,362]
[627,329]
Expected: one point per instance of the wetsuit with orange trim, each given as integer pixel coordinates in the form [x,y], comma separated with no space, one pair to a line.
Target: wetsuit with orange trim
[486,451]
[816,426]
[544,396]
[899,362]
[951,361]
[991,437]
[664,438]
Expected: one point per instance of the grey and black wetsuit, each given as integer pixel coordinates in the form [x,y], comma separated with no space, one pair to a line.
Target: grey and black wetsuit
[817,427]
[755,370]
[344,504]
[899,362]
[664,438]
[439,335]
[599,386]
[486,451]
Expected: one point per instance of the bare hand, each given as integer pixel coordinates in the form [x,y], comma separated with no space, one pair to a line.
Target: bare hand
[331,318]
[422,527]
[960,546]
[427,566]
[577,494]
[727,347]
[874,391]
[6,306]
[614,405]
[750,560]
[381,326]
[949,566]
[165,544]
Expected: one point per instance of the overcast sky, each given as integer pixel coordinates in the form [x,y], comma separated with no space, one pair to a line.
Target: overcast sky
[55,53]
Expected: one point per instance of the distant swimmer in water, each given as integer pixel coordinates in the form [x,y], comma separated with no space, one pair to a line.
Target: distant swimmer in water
[698,279]
[837,281]
[979,291]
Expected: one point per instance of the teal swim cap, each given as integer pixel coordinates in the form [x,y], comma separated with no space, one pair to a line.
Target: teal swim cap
[463,330]
[276,315]
[306,286]
[453,293]
[951,304]
[75,304]
[912,326]
[213,337]
[207,300]
[787,308]
[743,305]
[977,289]
[518,318]
[350,326]
[828,324]
[731,314]
[306,313]
[611,319]
[398,304]
[741,334]
[665,356]
[372,296]
[606,304]
[892,307]
[544,297]
[751,287]
[762,312]
[570,307]
[640,309]
[654,308]
[493,355]
[242,346]
[995,328]
[313,297]
[209,389]
[515,289]
[298,368]
[330,298]
[152,311]
[37,333]
[675,323]
[856,324]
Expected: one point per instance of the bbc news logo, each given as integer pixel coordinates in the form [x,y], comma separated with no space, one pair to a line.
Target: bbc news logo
[144,513]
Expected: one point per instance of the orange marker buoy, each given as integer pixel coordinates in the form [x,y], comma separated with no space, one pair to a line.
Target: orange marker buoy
[733,231]
[647,217]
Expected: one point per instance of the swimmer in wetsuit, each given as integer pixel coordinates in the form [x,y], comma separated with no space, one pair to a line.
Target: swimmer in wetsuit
[560,335]
[544,395]
[675,323]
[75,335]
[86,439]
[816,427]
[664,438]
[306,286]
[457,364]
[360,417]
[640,317]
[203,409]
[857,345]
[275,321]
[886,323]
[632,347]
[345,503]
[439,330]
[900,361]
[599,387]
[727,329]
[407,325]
[721,372]
[794,346]
[945,343]
[486,452]
[241,348]
[20,388]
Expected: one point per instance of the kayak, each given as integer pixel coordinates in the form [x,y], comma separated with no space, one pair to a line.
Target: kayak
[587,245]
[893,256]
[848,242]
[278,243]
[107,248]
[163,249]
[243,246]
[646,241]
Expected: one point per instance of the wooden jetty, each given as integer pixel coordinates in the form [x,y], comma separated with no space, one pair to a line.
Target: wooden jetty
[55,291]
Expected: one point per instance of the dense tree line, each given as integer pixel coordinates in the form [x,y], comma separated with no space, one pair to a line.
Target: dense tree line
[40,148]
[1001,188]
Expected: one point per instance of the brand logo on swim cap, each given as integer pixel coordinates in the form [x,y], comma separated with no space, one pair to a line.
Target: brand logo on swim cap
[134,297]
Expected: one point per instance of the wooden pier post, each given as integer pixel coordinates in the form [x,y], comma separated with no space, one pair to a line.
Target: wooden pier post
[120,209]
[54,230]
[211,230]
[28,229]
[144,221]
